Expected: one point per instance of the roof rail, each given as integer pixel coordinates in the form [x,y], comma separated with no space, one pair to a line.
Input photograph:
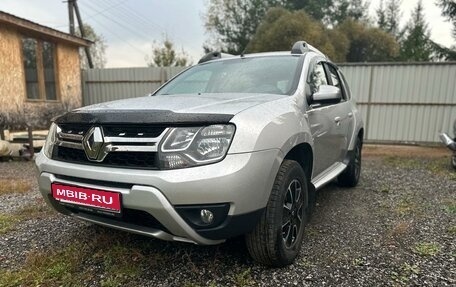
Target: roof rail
[213,56]
[302,47]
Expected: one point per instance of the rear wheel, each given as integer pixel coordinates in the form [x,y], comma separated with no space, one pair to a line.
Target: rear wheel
[350,176]
[277,238]
[453,161]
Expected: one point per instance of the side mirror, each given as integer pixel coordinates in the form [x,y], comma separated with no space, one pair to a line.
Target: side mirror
[327,94]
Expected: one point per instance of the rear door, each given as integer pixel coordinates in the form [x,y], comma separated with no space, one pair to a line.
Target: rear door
[342,110]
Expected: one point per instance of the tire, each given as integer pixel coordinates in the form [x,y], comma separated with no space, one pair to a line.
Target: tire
[277,238]
[453,161]
[350,176]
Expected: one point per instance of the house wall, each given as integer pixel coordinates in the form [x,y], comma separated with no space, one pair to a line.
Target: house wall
[12,85]
[15,109]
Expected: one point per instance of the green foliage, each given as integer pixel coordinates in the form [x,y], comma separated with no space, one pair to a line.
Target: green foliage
[393,17]
[231,23]
[449,11]
[350,41]
[319,10]
[97,49]
[166,56]
[368,44]
[281,28]
[349,9]
[427,249]
[381,16]
[416,45]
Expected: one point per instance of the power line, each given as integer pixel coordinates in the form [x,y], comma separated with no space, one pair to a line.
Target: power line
[124,26]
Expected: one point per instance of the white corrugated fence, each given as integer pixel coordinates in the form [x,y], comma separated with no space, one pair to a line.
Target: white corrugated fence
[400,102]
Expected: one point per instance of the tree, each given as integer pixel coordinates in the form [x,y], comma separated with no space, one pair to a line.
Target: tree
[449,12]
[345,9]
[97,49]
[393,17]
[381,16]
[281,28]
[231,23]
[319,10]
[368,44]
[416,45]
[166,56]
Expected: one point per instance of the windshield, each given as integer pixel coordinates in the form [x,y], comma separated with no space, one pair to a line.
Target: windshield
[270,75]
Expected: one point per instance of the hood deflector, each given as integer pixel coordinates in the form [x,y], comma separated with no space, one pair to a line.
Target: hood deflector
[162,117]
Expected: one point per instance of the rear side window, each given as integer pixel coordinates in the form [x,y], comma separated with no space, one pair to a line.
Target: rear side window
[345,84]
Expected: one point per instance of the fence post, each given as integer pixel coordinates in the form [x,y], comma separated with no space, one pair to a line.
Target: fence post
[30,140]
[369,102]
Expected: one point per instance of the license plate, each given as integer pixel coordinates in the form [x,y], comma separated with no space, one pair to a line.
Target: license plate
[87,197]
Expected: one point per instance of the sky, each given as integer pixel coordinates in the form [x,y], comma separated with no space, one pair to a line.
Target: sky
[131,27]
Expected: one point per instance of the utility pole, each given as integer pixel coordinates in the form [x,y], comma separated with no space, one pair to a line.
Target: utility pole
[73,7]
[71,15]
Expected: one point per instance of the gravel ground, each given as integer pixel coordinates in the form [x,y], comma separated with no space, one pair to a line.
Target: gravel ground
[396,228]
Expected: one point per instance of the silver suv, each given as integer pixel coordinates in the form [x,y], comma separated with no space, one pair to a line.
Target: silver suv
[235,145]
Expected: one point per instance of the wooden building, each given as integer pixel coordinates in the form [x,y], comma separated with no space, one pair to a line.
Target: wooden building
[40,73]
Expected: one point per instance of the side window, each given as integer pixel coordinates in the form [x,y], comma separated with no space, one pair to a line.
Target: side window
[335,80]
[345,84]
[317,77]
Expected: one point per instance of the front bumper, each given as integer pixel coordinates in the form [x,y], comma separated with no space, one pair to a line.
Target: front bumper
[242,180]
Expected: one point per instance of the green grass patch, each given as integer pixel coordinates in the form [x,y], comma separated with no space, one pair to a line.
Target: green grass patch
[36,210]
[7,222]
[120,263]
[406,206]
[244,278]
[44,269]
[438,166]
[452,230]
[451,208]
[426,249]
[405,273]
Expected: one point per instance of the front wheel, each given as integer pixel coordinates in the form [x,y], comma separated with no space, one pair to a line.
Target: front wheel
[453,161]
[277,238]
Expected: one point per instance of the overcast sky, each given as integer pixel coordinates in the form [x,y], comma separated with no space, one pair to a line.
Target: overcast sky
[131,26]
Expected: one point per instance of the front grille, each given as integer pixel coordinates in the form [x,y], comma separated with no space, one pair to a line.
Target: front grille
[124,146]
[140,160]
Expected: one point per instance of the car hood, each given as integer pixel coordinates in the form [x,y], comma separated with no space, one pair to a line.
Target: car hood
[168,109]
[189,103]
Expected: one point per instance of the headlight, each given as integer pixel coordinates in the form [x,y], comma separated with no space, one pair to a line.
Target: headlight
[50,140]
[187,147]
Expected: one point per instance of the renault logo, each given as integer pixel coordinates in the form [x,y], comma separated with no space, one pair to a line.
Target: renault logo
[93,144]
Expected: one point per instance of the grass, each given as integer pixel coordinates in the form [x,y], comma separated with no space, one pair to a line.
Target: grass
[14,185]
[118,263]
[438,166]
[452,230]
[426,249]
[7,222]
[405,273]
[244,278]
[36,210]
[406,206]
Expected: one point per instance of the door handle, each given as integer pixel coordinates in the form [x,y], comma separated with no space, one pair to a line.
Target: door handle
[337,120]
[350,115]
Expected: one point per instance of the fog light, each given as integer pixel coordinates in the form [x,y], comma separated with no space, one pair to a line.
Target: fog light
[206,216]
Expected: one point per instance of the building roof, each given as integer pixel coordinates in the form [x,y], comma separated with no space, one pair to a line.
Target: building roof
[38,30]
